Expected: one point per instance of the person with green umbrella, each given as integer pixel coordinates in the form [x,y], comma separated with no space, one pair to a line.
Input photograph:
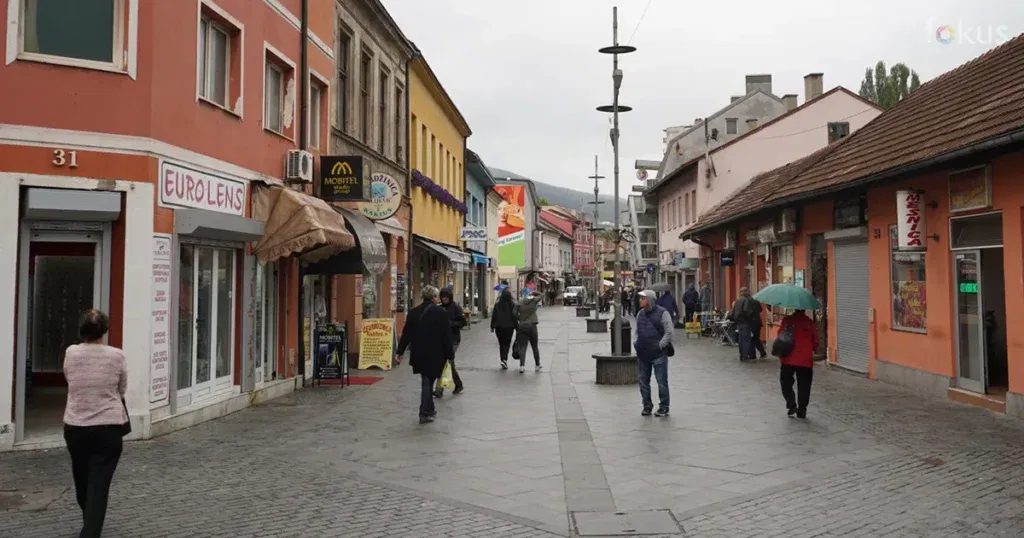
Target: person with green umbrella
[798,364]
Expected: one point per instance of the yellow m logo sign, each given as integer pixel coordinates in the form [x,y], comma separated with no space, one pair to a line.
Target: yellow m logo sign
[341,168]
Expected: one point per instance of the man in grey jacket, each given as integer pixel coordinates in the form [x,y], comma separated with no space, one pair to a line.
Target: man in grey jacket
[653,342]
[526,313]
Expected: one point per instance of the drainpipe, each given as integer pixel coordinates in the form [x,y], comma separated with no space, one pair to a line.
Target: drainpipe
[408,185]
[303,144]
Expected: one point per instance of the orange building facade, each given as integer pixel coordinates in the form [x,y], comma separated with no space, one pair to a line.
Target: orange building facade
[131,156]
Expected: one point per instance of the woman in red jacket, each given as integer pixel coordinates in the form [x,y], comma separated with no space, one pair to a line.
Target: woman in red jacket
[799,363]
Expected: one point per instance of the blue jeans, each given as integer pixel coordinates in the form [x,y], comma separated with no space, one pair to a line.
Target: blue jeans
[426,395]
[660,367]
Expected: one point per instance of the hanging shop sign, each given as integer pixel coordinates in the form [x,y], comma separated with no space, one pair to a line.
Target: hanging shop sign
[910,222]
[331,351]
[181,186]
[727,258]
[376,343]
[385,197]
[344,178]
[472,233]
[970,189]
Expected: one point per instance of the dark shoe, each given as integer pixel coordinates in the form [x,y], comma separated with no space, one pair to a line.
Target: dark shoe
[763,355]
[790,411]
[438,394]
[662,412]
[426,419]
[458,389]
[432,413]
[646,412]
[504,365]
[801,413]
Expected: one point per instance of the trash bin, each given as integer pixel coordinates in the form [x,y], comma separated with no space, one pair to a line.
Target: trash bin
[627,337]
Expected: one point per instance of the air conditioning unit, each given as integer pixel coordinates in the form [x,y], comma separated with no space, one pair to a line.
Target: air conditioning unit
[787,221]
[298,166]
[730,240]
[767,234]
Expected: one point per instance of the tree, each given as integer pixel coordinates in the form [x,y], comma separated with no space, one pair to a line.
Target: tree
[886,88]
[542,202]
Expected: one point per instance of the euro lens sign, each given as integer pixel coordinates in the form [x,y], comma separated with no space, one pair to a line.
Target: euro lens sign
[910,223]
[471,233]
[344,178]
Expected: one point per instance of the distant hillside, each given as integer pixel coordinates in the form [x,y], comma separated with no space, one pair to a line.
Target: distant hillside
[569,198]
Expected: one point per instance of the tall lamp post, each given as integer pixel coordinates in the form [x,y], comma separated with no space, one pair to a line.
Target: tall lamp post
[593,233]
[615,50]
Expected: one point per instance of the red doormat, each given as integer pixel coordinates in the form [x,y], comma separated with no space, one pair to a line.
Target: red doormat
[353,380]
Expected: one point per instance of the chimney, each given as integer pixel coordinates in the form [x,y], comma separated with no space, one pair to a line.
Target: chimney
[751,124]
[813,86]
[790,100]
[759,82]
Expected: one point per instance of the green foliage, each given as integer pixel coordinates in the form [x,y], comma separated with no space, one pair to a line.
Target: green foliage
[888,87]
[543,202]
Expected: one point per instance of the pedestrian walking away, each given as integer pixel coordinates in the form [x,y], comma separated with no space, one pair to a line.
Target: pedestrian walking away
[799,363]
[746,314]
[653,345]
[503,325]
[526,333]
[691,301]
[95,418]
[428,331]
[457,321]
[668,302]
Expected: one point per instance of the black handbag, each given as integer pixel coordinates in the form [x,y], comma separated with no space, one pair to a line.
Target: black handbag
[783,345]
[126,428]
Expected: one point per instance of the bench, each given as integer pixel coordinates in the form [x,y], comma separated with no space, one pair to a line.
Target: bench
[616,369]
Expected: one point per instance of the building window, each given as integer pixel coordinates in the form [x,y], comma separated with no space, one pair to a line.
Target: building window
[382,99]
[88,30]
[366,83]
[206,320]
[266,321]
[837,130]
[909,300]
[693,204]
[316,95]
[730,125]
[399,119]
[686,208]
[273,97]
[214,62]
[344,57]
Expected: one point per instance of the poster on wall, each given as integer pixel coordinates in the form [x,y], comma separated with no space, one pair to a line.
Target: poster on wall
[376,344]
[394,288]
[512,225]
[910,224]
[400,293]
[331,351]
[909,303]
[160,320]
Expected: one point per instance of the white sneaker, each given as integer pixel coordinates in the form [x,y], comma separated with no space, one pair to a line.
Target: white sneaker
[522,369]
[539,368]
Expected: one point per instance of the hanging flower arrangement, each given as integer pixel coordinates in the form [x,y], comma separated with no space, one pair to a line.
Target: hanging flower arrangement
[438,192]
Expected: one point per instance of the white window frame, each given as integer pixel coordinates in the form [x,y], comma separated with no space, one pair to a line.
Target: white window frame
[268,51]
[213,26]
[267,68]
[125,47]
[325,92]
[201,392]
[235,30]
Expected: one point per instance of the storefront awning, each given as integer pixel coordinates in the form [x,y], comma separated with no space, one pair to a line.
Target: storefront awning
[298,224]
[371,246]
[459,259]
[390,226]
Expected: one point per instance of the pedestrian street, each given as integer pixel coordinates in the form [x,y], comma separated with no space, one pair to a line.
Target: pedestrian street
[551,453]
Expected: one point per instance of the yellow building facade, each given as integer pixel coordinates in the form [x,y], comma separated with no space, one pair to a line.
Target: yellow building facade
[437,144]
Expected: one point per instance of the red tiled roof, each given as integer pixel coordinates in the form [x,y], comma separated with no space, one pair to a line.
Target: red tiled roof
[975,102]
[978,101]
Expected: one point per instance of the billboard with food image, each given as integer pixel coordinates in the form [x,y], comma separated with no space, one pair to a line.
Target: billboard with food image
[512,225]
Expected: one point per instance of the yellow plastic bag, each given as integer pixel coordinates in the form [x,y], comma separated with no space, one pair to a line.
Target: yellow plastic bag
[446,381]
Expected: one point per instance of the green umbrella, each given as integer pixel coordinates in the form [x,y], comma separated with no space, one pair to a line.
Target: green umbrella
[788,296]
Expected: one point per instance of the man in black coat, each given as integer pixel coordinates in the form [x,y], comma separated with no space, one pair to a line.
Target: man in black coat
[428,331]
[457,320]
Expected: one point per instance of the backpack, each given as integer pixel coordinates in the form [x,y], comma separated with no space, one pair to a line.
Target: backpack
[782,347]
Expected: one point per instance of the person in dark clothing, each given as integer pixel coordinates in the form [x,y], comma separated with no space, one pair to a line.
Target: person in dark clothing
[691,302]
[668,302]
[799,363]
[653,338]
[428,330]
[755,331]
[458,321]
[636,302]
[625,302]
[746,314]
[526,332]
[504,324]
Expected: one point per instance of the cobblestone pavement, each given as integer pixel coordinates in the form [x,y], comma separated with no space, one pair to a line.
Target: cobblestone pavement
[516,453]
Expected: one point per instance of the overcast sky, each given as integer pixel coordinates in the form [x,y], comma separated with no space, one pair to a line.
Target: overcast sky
[526,74]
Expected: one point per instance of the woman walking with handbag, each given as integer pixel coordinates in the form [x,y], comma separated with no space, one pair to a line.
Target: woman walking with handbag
[504,324]
[95,418]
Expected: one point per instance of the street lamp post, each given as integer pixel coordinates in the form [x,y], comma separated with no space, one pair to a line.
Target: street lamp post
[615,108]
[593,232]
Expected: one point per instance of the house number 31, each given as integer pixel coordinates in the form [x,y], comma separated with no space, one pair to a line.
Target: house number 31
[65,158]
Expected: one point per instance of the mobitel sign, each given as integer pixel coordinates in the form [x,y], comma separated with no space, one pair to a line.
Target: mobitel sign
[344,178]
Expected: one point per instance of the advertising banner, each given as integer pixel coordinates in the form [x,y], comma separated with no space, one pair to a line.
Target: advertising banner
[331,351]
[160,320]
[385,198]
[377,344]
[512,225]
[344,178]
[910,224]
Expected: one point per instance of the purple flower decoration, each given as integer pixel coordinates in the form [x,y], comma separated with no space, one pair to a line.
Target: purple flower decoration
[438,192]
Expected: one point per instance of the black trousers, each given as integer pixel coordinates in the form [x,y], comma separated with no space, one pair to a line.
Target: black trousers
[755,338]
[803,376]
[689,313]
[527,334]
[438,391]
[95,451]
[504,341]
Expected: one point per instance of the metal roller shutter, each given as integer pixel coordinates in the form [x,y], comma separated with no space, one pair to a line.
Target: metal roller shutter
[852,306]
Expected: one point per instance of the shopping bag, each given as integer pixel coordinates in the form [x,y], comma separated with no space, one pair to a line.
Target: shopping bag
[782,347]
[446,377]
